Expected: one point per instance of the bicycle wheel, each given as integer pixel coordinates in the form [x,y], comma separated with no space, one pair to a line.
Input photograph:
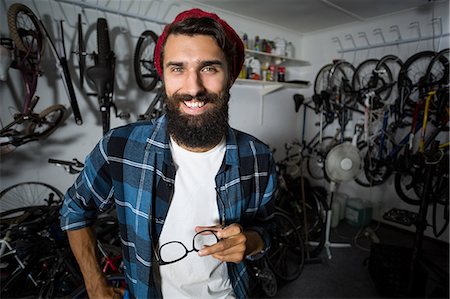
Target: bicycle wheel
[268,282]
[103,44]
[316,213]
[59,274]
[106,120]
[285,255]
[394,64]
[81,52]
[438,69]
[368,78]
[144,67]
[113,280]
[322,79]
[24,282]
[361,178]
[28,194]
[47,122]
[105,58]
[404,186]
[376,167]
[412,79]
[24,29]
[340,83]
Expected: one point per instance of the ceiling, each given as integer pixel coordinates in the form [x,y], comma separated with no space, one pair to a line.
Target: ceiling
[306,16]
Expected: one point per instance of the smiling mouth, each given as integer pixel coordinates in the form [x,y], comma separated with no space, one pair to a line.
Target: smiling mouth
[194,104]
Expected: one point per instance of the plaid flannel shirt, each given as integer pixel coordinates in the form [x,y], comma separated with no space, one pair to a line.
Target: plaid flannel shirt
[132,168]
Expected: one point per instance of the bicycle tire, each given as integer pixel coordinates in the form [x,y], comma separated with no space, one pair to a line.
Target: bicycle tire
[103,44]
[368,77]
[50,269]
[340,80]
[106,120]
[105,58]
[268,282]
[321,80]
[28,194]
[361,178]
[48,121]
[15,12]
[438,69]
[412,78]
[378,169]
[316,221]
[81,52]
[144,67]
[285,256]
[315,213]
[155,109]
[404,187]
[114,280]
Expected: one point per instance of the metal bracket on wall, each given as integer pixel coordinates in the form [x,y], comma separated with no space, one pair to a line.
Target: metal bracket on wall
[84,4]
[399,40]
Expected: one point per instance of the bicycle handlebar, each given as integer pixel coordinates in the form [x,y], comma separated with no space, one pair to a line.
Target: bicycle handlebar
[69,166]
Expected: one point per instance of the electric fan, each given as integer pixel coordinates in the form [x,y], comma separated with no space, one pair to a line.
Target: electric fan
[342,163]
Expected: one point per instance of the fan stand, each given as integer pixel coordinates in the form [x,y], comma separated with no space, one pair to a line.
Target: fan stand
[329,244]
[341,164]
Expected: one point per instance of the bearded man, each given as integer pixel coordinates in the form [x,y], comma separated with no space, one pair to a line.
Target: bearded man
[188,189]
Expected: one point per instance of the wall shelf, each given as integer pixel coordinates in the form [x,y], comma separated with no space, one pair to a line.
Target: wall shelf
[267,88]
[280,59]
[270,86]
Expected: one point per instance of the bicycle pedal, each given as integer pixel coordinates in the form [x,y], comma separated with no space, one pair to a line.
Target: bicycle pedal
[399,216]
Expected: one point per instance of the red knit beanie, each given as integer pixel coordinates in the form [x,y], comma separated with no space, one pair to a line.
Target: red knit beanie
[233,37]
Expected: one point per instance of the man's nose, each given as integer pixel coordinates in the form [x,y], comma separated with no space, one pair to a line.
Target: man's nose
[194,83]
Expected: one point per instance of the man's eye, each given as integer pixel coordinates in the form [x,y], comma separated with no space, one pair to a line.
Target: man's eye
[209,69]
[176,69]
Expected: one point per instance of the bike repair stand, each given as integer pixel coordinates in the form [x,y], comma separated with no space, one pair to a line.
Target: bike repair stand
[432,158]
[328,244]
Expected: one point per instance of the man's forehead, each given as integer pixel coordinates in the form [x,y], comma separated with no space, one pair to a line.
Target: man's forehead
[195,47]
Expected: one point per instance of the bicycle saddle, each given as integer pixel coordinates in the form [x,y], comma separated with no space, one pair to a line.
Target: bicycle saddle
[101,76]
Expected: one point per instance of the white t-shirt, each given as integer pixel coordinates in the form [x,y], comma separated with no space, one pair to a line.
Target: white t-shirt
[194,204]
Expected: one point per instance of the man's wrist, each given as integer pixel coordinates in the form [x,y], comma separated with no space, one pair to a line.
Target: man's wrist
[255,247]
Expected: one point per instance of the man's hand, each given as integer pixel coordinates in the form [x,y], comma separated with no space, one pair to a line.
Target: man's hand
[104,291]
[234,245]
[83,244]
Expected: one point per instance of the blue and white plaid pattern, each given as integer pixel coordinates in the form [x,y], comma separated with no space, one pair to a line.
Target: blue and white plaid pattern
[132,168]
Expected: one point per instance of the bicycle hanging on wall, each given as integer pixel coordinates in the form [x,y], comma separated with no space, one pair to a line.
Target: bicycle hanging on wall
[27,47]
[102,75]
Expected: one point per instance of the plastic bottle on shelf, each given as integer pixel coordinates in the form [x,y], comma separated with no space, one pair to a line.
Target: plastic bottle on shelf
[271,73]
[264,70]
[245,40]
[280,46]
[281,74]
[255,65]
[257,46]
[290,50]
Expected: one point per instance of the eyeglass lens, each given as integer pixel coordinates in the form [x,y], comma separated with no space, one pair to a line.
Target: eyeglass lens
[174,251]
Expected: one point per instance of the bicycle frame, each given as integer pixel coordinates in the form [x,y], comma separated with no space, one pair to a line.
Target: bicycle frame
[111,264]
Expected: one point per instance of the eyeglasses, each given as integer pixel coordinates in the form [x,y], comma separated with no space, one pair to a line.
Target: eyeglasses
[174,251]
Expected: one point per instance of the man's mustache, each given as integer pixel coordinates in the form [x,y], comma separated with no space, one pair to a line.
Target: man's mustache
[202,97]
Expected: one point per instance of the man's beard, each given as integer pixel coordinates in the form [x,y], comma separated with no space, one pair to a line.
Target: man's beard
[198,131]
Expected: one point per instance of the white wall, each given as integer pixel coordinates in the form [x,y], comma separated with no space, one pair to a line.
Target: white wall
[320,49]
[279,122]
